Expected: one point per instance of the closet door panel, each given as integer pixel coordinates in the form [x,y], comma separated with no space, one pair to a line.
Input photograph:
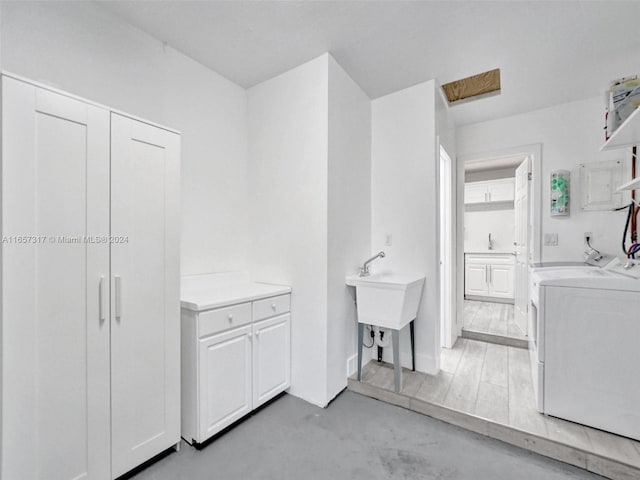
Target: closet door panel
[146,310]
[55,343]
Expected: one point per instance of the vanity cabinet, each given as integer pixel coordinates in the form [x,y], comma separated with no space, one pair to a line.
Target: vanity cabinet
[489,275]
[234,359]
[500,190]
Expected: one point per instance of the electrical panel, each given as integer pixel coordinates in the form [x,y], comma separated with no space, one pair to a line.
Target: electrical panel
[598,184]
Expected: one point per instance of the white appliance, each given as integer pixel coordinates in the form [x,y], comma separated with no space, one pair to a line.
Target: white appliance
[585,327]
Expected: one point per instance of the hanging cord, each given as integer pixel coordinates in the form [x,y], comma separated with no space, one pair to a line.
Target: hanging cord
[591,247]
[634,217]
[632,209]
[372,340]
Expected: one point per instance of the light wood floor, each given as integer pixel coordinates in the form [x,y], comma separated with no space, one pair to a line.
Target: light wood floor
[494,382]
[492,318]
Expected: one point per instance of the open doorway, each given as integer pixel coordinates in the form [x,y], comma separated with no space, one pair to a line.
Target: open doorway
[499,219]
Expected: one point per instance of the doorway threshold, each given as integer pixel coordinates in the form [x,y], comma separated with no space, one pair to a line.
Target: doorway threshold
[449,400]
[516,342]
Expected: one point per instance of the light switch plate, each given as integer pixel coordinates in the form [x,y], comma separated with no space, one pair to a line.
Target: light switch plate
[551,239]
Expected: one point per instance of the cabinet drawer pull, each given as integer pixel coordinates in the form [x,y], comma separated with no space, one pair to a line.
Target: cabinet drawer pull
[230,317]
[273,306]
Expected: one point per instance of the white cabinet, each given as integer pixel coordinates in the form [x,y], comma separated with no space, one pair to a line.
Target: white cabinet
[271,358]
[83,375]
[489,275]
[145,328]
[234,359]
[500,190]
[476,280]
[475,192]
[224,382]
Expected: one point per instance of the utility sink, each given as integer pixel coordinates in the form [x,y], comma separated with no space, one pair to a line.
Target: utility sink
[387,300]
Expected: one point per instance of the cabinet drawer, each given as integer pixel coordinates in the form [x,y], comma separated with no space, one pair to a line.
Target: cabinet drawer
[221,319]
[270,307]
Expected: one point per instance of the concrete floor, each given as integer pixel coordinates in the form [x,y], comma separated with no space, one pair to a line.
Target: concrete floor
[355,438]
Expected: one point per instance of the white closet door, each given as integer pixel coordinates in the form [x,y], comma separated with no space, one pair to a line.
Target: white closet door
[55,343]
[145,331]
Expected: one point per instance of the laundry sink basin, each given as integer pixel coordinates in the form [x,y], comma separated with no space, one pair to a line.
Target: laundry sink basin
[388,300]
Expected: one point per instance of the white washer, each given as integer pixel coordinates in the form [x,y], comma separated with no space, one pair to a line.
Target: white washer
[584,348]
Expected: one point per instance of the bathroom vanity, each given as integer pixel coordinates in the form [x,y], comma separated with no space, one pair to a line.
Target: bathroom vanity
[489,276]
[236,350]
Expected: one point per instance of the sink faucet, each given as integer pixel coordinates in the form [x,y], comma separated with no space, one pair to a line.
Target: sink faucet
[364,270]
[490,243]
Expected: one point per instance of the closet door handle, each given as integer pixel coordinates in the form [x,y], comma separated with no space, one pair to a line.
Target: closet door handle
[101,298]
[118,295]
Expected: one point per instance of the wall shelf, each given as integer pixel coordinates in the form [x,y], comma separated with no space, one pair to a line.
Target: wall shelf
[631,185]
[626,135]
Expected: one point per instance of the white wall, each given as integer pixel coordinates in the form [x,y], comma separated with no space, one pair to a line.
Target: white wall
[349,217]
[570,134]
[482,220]
[481,175]
[404,204]
[288,175]
[78,47]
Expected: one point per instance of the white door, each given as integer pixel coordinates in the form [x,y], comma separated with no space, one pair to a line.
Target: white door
[145,332]
[55,343]
[224,380]
[476,279]
[448,322]
[271,358]
[475,192]
[501,281]
[521,212]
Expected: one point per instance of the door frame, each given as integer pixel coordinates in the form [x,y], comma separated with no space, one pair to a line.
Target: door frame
[534,152]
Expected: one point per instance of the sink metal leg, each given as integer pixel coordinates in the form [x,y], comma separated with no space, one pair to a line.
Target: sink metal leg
[397,368]
[360,339]
[413,346]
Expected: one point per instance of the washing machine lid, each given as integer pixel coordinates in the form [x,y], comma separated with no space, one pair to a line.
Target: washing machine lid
[596,278]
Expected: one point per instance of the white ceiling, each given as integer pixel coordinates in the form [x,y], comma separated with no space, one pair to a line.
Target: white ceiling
[548,52]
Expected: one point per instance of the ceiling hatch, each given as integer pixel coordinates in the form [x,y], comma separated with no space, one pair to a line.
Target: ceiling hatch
[478,86]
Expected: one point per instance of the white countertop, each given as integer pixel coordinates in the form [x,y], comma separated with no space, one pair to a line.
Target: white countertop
[203,292]
[489,252]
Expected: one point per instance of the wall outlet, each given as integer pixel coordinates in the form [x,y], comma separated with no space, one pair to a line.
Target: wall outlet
[588,236]
[388,240]
[551,239]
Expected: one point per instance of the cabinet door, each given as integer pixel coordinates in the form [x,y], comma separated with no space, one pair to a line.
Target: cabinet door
[475,192]
[224,382]
[271,358]
[55,342]
[501,281]
[502,190]
[475,280]
[145,330]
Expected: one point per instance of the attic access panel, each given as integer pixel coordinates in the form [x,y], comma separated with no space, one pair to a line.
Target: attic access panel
[480,85]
